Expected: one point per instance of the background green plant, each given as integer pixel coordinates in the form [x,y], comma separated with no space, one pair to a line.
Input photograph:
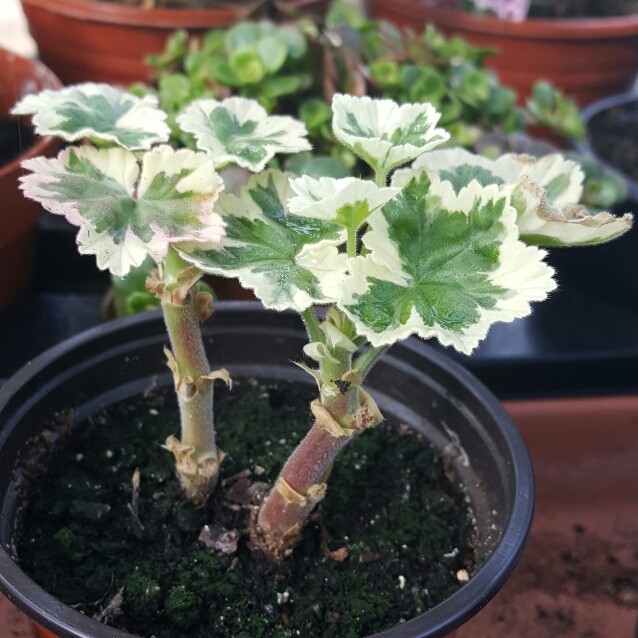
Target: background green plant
[295,68]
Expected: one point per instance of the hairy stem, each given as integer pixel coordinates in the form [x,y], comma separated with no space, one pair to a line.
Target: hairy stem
[197,455]
[312,325]
[342,412]
[381,178]
[366,361]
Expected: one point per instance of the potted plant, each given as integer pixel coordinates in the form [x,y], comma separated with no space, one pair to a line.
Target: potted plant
[18,77]
[589,55]
[445,250]
[108,41]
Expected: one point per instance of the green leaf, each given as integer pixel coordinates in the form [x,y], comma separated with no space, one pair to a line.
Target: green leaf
[442,265]
[284,85]
[314,113]
[221,71]
[294,41]
[173,52]
[347,202]
[273,53]
[385,72]
[99,112]
[429,86]
[126,211]
[135,280]
[247,65]
[474,87]
[289,261]
[214,42]
[501,100]
[239,130]
[244,35]
[174,91]
[384,134]
[544,192]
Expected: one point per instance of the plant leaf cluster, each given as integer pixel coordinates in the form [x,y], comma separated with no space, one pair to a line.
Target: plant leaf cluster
[258,60]
[442,243]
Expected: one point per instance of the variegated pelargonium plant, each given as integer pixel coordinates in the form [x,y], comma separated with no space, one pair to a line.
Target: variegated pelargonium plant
[134,196]
[446,248]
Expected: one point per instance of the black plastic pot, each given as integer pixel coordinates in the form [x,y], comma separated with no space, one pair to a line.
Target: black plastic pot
[624,108]
[413,383]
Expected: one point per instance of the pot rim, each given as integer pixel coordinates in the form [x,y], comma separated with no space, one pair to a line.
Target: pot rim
[169,19]
[542,29]
[442,619]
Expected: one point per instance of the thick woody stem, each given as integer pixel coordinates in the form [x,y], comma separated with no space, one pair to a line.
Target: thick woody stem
[343,411]
[197,456]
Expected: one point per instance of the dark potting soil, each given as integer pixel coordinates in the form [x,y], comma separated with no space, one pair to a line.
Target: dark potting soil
[14,139]
[386,543]
[613,134]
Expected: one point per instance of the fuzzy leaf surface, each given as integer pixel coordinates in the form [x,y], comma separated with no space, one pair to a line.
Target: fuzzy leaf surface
[347,201]
[384,134]
[289,261]
[442,265]
[240,130]
[127,210]
[545,193]
[99,112]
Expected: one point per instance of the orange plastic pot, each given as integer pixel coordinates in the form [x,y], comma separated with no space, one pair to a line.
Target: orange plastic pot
[588,58]
[86,40]
[18,216]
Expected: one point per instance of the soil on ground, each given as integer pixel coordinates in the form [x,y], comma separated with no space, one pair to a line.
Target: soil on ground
[577,578]
[387,543]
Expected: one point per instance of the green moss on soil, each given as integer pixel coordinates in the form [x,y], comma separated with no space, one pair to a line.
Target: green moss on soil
[405,529]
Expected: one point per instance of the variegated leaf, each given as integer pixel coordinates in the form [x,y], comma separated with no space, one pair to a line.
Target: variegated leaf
[99,112]
[289,261]
[384,134]
[347,202]
[240,130]
[545,193]
[125,213]
[443,265]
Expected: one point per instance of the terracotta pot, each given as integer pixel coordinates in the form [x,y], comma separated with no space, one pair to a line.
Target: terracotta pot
[414,384]
[587,58]
[18,216]
[86,40]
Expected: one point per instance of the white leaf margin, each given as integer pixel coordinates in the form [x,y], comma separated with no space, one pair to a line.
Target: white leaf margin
[323,198]
[122,166]
[195,120]
[144,115]
[521,271]
[384,117]
[561,221]
[323,258]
